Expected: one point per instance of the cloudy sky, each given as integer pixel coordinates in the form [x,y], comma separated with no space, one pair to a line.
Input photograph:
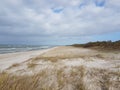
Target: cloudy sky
[58,21]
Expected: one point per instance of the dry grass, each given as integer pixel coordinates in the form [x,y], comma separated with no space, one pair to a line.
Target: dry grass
[62,55]
[14,65]
[72,79]
[31,65]
[9,82]
[64,78]
[53,58]
[105,79]
[49,79]
[99,56]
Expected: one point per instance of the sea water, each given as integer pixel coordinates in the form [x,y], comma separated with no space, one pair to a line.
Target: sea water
[21,48]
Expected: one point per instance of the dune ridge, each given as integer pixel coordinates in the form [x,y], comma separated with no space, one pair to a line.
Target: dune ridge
[62,68]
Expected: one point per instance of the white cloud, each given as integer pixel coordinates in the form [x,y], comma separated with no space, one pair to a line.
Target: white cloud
[76,18]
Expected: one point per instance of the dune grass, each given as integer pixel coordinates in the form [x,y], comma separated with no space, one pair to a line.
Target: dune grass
[64,78]
[31,65]
[55,58]
[55,79]
[14,65]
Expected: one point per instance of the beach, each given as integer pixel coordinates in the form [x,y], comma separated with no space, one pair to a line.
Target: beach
[6,60]
[61,68]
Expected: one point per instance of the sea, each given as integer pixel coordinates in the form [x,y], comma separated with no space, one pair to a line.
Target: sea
[22,48]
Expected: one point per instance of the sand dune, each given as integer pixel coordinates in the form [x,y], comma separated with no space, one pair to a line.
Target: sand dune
[61,68]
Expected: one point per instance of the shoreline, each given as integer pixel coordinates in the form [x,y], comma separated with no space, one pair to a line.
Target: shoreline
[11,50]
[7,59]
[23,51]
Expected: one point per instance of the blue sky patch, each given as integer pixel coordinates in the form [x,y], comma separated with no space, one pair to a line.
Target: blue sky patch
[100,3]
[58,10]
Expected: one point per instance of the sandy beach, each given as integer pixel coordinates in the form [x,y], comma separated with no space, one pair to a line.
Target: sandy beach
[62,68]
[6,60]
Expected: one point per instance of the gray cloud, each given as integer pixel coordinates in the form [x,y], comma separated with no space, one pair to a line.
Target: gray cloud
[55,18]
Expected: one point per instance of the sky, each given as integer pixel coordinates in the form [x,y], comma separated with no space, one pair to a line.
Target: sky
[58,22]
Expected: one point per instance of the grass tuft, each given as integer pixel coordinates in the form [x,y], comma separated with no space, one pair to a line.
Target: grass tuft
[31,65]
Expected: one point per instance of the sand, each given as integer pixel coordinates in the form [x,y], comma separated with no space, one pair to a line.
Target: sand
[64,56]
[7,60]
[69,63]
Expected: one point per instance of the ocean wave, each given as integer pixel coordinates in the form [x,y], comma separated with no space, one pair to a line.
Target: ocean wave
[20,48]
